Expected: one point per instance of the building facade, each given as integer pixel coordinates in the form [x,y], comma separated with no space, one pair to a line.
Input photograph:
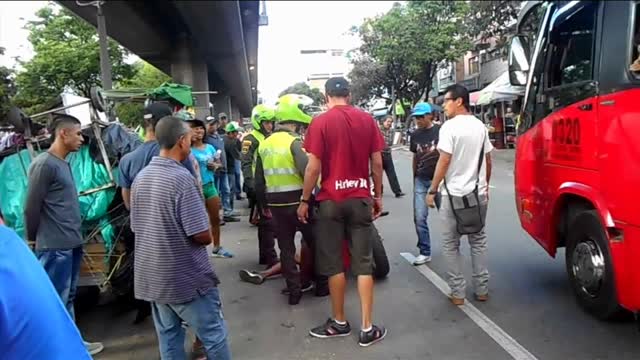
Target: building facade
[475,70]
[322,64]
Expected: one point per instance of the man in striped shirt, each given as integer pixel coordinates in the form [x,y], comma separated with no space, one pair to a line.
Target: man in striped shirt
[172,268]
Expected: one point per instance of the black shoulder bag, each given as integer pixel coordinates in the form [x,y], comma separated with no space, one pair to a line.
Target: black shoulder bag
[466,209]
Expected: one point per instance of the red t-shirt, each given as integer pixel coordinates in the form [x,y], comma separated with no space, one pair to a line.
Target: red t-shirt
[344,138]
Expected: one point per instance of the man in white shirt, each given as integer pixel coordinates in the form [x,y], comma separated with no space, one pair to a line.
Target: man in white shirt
[462,139]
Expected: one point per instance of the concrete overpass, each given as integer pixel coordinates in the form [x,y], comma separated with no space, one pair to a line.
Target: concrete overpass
[210,45]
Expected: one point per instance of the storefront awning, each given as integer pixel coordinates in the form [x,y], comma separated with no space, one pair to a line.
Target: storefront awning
[499,90]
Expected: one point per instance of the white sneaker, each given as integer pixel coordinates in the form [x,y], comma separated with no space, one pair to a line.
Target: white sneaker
[93,348]
[421,260]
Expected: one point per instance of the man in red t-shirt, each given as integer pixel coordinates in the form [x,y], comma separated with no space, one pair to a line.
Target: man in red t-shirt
[342,143]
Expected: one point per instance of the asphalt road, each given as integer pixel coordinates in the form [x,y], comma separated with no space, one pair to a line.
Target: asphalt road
[530,300]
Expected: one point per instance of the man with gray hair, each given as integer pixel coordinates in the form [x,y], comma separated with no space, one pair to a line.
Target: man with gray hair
[172,268]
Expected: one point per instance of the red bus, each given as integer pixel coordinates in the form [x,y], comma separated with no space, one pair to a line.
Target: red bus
[577,170]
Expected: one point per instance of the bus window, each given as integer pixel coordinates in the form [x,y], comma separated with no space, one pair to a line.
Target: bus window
[571,55]
[569,64]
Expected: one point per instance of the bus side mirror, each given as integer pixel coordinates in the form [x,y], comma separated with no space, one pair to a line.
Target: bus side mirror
[518,60]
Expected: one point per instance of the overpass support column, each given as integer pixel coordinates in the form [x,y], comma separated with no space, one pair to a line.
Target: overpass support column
[222,103]
[186,68]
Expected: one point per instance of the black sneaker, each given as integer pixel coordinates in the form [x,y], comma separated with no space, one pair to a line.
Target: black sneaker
[305,288]
[331,329]
[372,336]
[399,195]
[230,219]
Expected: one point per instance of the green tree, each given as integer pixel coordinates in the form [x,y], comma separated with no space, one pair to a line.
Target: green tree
[493,19]
[7,88]
[147,77]
[66,57]
[302,88]
[411,40]
[368,80]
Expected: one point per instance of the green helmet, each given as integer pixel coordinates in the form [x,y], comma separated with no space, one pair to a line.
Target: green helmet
[261,113]
[232,126]
[291,107]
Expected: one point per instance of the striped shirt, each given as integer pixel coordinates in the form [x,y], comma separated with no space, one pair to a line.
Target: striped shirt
[166,210]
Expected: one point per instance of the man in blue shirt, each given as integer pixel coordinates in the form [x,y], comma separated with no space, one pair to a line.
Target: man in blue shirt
[34,324]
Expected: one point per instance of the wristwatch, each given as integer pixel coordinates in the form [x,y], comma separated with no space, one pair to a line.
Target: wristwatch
[432,192]
[306,201]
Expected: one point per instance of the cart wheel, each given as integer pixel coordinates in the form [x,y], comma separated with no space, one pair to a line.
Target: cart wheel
[97,99]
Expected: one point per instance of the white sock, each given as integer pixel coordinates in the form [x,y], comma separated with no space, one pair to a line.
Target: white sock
[340,322]
[368,329]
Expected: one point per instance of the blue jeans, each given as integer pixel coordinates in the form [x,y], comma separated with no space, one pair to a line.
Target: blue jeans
[237,186]
[420,213]
[203,315]
[63,268]
[222,183]
[231,179]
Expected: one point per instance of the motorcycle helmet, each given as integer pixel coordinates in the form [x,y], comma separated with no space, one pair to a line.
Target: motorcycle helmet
[261,113]
[293,107]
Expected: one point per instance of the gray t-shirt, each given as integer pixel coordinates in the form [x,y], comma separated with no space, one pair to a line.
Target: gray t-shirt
[52,210]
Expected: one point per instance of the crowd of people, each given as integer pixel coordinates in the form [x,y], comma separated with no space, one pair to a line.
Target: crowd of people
[180,187]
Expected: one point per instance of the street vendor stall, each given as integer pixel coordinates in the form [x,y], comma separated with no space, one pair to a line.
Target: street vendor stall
[500,91]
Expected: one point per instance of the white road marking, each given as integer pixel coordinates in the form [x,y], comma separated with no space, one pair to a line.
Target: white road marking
[509,344]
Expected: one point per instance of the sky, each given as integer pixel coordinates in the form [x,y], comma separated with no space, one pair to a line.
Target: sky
[293,26]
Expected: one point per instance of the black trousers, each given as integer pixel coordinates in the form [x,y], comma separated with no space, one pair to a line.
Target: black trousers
[266,232]
[389,168]
[266,240]
[287,226]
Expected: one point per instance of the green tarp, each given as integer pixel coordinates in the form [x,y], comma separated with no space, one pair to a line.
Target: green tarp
[178,92]
[87,175]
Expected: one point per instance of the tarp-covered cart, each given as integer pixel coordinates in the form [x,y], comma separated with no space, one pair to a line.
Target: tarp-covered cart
[108,249]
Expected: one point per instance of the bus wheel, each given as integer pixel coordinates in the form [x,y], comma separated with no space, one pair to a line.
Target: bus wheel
[589,266]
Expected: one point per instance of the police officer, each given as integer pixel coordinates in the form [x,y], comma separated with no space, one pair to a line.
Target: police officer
[262,118]
[279,176]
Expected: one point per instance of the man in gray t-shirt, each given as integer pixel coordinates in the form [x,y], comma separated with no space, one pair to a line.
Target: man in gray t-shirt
[52,213]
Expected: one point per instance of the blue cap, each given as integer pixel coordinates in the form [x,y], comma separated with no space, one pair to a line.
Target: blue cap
[421,108]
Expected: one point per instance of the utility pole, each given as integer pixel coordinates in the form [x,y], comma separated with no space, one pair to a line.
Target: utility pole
[105,60]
